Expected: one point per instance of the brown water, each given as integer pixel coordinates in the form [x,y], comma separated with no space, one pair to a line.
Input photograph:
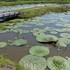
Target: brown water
[16,53]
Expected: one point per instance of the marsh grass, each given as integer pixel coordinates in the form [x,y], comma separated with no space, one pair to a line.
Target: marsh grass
[5,61]
[39,11]
[21,2]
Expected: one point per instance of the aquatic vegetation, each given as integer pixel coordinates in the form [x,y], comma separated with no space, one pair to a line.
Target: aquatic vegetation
[39,11]
[64,40]
[46,38]
[57,63]
[65,35]
[5,62]
[53,32]
[16,21]
[20,31]
[60,44]
[31,62]
[38,33]
[19,42]
[3,44]
[39,50]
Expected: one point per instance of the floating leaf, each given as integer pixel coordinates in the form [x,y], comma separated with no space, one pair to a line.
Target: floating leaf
[39,50]
[60,44]
[53,32]
[46,38]
[65,35]
[31,62]
[57,63]
[3,44]
[64,40]
[19,42]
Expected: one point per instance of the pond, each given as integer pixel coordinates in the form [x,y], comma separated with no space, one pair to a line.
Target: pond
[53,24]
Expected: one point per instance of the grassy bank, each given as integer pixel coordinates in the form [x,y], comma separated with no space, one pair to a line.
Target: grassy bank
[32,2]
[39,11]
[32,12]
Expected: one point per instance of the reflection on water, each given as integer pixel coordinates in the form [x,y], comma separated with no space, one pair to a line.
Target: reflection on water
[48,23]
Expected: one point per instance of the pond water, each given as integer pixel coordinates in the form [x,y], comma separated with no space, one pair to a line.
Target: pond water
[54,24]
[18,7]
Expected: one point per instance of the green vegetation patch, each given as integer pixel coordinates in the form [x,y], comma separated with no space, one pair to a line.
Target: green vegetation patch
[31,62]
[39,50]
[57,63]
[5,62]
[38,11]
[3,44]
[65,35]
[46,38]
[19,42]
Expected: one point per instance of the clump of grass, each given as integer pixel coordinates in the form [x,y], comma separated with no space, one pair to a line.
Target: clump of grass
[21,2]
[16,20]
[39,11]
[5,61]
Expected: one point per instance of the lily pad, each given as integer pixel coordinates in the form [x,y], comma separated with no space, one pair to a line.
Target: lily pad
[39,50]
[60,44]
[65,35]
[53,32]
[57,63]
[19,42]
[31,62]
[38,33]
[64,40]
[46,38]
[20,31]
[3,44]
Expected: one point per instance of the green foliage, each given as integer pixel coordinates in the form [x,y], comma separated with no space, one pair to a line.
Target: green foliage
[3,44]
[57,63]
[33,12]
[39,50]
[31,62]
[19,42]
[21,2]
[46,38]
[5,61]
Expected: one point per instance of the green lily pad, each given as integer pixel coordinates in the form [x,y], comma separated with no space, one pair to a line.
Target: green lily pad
[57,63]
[46,38]
[39,50]
[64,40]
[19,42]
[60,44]
[20,31]
[65,35]
[38,33]
[53,32]
[31,62]
[3,44]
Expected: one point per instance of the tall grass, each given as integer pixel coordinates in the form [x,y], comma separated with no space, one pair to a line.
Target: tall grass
[21,2]
[33,12]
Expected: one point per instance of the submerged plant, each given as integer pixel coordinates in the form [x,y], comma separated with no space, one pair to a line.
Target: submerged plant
[39,50]
[57,63]
[3,44]
[31,62]
[19,42]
